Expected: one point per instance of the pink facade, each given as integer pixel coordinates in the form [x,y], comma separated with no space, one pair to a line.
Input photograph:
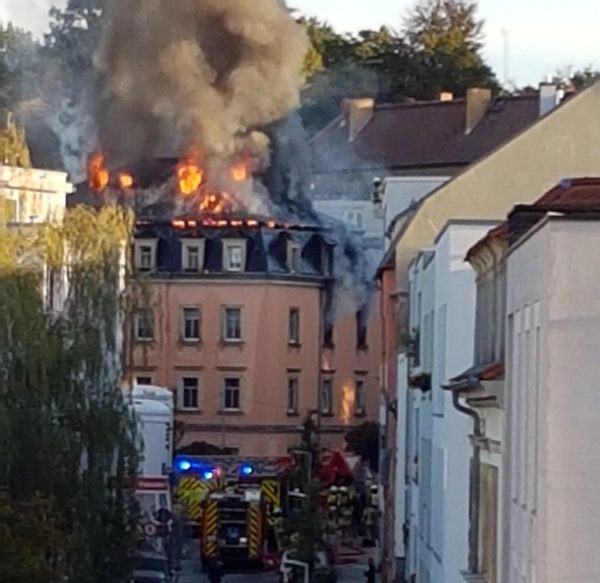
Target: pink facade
[251,393]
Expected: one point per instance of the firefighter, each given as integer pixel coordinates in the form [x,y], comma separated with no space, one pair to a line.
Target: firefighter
[370,522]
[345,512]
[374,496]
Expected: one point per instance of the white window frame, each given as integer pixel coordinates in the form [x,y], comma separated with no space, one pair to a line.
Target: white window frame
[229,244]
[326,259]
[149,314]
[183,332]
[225,378]
[293,395]
[294,327]
[326,397]
[360,409]
[187,245]
[139,245]
[224,332]
[294,257]
[183,389]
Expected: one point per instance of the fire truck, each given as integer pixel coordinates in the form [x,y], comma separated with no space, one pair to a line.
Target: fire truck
[234,527]
[195,477]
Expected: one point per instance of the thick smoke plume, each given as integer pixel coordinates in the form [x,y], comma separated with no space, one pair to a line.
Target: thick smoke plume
[196,73]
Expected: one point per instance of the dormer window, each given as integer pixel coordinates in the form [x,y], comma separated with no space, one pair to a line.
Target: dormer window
[326,260]
[294,257]
[234,255]
[145,255]
[192,256]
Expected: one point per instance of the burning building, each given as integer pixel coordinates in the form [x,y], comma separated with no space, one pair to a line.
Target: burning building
[258,307]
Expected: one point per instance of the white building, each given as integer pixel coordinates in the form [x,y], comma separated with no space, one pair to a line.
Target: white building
[29,195]
[401,193]
[551,517]
[442,313]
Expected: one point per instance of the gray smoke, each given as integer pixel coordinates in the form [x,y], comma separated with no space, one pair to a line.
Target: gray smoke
[203,73]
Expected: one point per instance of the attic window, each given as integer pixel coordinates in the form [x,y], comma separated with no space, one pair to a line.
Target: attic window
[145,255]
[293,257]
[192,255]
[234,255]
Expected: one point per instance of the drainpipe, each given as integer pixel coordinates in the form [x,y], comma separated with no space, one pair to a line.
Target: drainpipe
[474,484]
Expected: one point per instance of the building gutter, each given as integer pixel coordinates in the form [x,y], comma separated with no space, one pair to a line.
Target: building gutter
[457,389]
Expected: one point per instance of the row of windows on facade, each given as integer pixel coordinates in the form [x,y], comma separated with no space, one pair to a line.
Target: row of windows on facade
[231,326]
[188,394]
[234,256]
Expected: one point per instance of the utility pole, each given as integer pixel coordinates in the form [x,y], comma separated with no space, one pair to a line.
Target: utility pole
[506,59]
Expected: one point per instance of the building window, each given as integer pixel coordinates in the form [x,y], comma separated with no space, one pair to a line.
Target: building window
[326,260]
[328,335]
[190,392]
[326,399]
[293,396]
[192,256]
[190,324]
[232,324]
[360,398]
[234,255]
[143,380]
[294,326]
[294,257]
[231,394]
[145,253]
[144,325]
[361,329]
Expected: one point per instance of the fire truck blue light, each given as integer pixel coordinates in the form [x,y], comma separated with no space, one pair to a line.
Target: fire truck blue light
[208,475]
[247,470]
[185,465]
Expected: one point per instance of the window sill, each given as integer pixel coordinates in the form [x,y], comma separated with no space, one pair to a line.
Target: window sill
[190,341]
[294,344]
[190,411]
[363,348]
[293,414]
[232,342]
[231,412]
[327,415]
[144,340]
[329,346]
[361,415]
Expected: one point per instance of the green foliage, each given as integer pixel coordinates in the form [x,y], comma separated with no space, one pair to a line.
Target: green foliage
[363,440]
[13,145]
[445,38]
[67,440]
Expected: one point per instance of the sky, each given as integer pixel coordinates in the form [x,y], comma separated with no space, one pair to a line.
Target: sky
[543,35]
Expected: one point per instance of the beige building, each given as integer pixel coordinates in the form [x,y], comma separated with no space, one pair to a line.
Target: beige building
[30,195]
[562,142]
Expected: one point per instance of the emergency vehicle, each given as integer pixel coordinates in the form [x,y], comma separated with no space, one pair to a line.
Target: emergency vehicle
[234,528]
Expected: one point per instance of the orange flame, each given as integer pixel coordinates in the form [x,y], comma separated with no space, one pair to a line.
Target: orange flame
[240,172]
[98,175]
[189,176]
[125,180]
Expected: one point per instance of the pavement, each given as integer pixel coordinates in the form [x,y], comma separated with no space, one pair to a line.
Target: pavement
[351,569]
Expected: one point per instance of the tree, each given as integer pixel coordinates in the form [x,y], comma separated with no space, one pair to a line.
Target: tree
[13,145]
[370,64]
[445,38]
[67,440]
[584,78]
[363,440]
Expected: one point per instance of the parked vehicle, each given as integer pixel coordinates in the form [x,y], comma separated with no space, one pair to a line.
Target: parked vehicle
[152,568]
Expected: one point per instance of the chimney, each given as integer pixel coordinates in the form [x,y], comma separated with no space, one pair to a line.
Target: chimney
[550,97]
[358,113]
[478,101]
[446,96]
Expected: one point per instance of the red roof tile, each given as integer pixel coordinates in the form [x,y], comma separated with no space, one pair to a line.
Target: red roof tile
[573,193]
[422,134]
